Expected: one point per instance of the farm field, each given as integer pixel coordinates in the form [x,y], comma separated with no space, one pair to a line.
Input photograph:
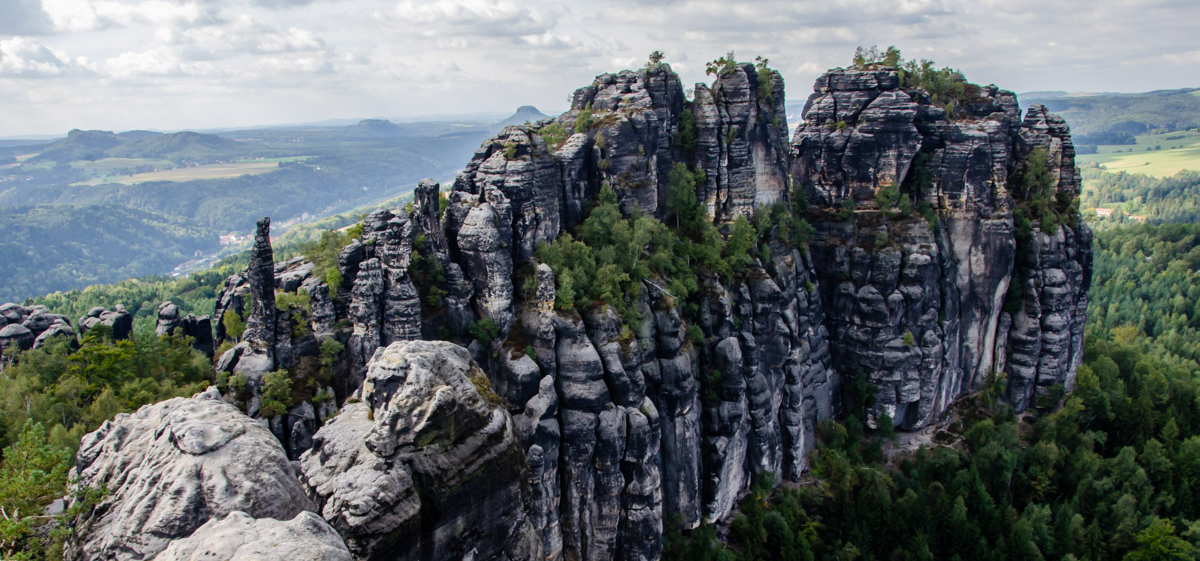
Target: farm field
[1156,155]
[210,171]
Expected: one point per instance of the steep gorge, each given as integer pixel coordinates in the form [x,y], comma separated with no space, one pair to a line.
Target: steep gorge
[536,430]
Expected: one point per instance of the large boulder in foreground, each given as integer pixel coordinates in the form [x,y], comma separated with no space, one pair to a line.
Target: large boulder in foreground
[241,537]
[171,467]
[425,467]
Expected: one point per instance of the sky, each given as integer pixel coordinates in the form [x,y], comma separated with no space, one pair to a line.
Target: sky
[202,64]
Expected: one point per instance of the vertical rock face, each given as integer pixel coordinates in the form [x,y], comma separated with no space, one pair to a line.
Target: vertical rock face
[917,307]
[742,144]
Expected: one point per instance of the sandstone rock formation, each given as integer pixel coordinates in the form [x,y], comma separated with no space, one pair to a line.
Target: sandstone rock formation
[611,424]
[25,327]
[120,320]
[918,308]
[425,467]
[171,467]
[198,328]
[241,537]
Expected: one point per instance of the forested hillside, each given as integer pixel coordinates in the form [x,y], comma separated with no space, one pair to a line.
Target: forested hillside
[1116,118]
[48,248]
[202,185]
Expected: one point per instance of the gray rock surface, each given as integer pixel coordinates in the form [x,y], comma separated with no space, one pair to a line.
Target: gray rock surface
[425,467]
[917,308]
[169,322]
[241,537]
[119,319]
[171,467]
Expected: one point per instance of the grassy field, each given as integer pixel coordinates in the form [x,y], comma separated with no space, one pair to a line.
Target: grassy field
[1156,155]
[210,171]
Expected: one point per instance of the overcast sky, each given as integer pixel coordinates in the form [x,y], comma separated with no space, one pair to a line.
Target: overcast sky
[175,64]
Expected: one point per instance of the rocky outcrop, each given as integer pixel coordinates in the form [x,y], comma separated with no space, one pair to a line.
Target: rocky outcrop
[606,423]
[26,327]
[118,319]
[916,303]
[425,467]
[173,466]
[198,328]
[241,537]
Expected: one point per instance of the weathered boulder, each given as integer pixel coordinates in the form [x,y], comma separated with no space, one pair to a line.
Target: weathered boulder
[172,466]
[119,319]
[198,328]
[241,537]
[425,467]
[16,335]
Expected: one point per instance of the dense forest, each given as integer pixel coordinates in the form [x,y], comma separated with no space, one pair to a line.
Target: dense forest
[1130,198]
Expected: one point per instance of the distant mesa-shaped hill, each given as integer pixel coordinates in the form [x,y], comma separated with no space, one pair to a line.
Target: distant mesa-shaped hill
[95,145]
[379,127]
[184,145]
[524,114]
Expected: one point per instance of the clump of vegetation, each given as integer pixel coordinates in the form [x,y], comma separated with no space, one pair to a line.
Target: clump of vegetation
[766,82]
[483,385]
[324,255]
[484,330]
[687,138]
[845,211]
[947,88]
[1037,198]
[655,59]
[276,394]
[510,150]
[299,300]
[427,274]
[554,134]
[721,66]
[583,121]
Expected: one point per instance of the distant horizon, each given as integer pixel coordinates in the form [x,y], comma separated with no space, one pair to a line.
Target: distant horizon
[498,115]
[221,64]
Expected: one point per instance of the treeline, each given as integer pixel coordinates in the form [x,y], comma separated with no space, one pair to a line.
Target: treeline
[1157,200]
[1113,475]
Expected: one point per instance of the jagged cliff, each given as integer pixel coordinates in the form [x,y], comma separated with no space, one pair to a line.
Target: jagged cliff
[610,418]
[918,308]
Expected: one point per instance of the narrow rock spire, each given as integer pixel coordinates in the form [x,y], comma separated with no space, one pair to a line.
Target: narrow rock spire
[260,323]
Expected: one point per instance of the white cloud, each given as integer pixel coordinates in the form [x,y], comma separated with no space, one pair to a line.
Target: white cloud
[152,60]
[487,18]
[23,56]
[91,15]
